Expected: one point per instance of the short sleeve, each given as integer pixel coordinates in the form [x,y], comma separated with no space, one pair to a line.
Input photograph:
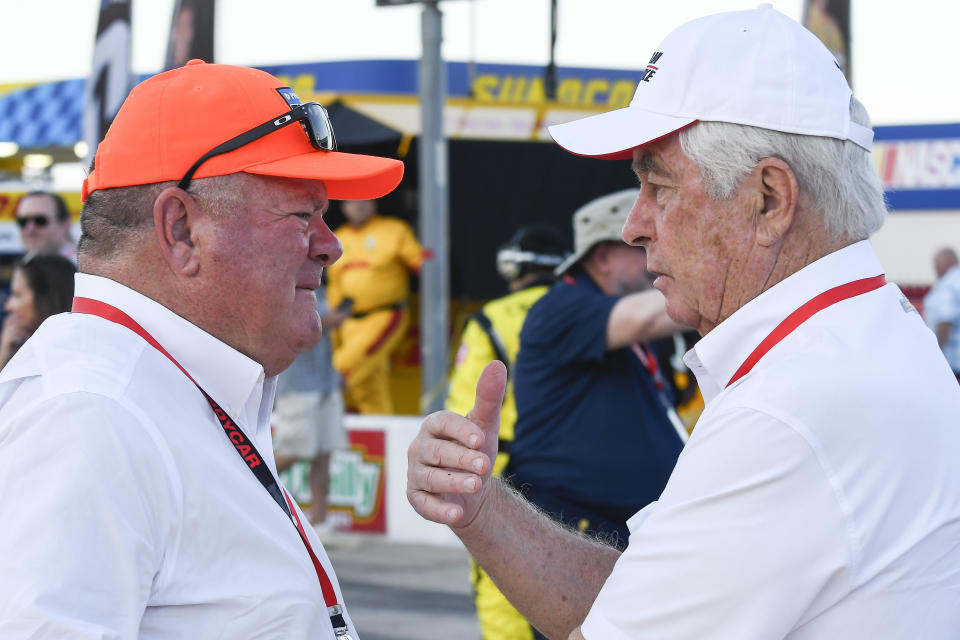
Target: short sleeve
[87,508]
[746,535]
[570,323]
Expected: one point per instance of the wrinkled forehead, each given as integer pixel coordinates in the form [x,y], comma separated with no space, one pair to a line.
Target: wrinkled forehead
[37,204]
[312,193]
[663,157]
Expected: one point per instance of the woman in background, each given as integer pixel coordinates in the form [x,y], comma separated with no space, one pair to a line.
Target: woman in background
[42,286]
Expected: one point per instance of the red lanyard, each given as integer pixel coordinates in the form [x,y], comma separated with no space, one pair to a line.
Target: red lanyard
[648,359]
[804,313]
[244,447]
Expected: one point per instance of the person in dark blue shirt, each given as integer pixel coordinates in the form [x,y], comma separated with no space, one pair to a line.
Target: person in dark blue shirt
[597,436]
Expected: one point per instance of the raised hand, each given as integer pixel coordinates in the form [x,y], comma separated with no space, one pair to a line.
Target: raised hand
[450,460]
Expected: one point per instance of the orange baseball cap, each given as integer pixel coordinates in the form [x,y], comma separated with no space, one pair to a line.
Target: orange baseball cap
[172,119]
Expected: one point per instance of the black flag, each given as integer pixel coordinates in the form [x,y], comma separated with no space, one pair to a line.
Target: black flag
[829,20]
[191,32]
[109,80]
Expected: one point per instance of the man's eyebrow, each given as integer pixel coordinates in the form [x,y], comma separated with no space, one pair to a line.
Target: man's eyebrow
[319,204]
[649,163]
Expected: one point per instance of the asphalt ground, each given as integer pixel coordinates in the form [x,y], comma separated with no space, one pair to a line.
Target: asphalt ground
[404,591]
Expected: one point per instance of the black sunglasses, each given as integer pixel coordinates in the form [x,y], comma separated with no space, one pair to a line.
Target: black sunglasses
[39,221]
[311,116]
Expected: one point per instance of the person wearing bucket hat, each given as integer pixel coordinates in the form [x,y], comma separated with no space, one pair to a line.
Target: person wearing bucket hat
[819,495]
[137,427]
[586,349]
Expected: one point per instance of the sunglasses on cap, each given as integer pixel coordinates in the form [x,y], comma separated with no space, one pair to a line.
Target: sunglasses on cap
[311,116]
[38,221]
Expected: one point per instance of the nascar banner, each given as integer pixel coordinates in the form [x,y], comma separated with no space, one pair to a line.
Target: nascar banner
[109,80]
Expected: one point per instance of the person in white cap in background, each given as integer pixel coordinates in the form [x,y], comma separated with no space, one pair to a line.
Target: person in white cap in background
[819,495]
[941,306]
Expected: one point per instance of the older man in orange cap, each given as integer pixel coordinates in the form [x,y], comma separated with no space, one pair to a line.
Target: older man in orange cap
[140,492]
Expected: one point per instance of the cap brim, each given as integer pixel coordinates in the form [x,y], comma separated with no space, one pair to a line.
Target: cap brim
[347,176]
[615,134]
[571,260]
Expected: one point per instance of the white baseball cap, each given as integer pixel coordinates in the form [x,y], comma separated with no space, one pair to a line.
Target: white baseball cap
[599,220]
[755,67]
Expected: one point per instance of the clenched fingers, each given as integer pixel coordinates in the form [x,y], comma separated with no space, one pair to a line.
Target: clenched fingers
[447,425]
[435,508]
[439,480]
[449,454]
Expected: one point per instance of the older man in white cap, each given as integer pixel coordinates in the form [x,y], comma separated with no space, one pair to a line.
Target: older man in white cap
[819,496]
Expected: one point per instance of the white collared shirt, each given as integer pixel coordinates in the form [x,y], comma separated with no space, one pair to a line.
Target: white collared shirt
[819,495]
[126,512]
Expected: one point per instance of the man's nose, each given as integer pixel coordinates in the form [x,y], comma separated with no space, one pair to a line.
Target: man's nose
[324,246]
[638,230]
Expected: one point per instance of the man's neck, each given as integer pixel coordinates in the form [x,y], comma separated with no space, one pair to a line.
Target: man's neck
[756,275]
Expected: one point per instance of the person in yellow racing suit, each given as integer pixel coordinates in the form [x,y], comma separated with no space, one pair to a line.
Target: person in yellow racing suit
[372,283]
[526,262]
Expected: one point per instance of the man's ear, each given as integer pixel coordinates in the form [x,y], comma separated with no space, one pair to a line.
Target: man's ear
[777,186]
[175,215]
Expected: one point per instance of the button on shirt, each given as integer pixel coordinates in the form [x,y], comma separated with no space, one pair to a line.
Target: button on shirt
[126,511]
[819,495]
[942,305]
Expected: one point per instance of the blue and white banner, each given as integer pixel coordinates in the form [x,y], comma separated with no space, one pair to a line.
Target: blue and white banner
[919,165]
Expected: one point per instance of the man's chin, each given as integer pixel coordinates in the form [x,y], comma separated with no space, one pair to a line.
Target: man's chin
[302,342]
[677,310]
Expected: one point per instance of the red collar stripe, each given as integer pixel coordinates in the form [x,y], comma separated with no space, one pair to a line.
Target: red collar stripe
[804,313]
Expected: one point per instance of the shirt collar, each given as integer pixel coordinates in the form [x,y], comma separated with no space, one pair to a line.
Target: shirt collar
[718,355]
[581,277]
[231,378]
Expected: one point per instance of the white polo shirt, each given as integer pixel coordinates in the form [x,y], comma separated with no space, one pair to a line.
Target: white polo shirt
[819,495]
[125,511]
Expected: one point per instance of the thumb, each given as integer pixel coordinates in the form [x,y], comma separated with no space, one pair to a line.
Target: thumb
[490,389]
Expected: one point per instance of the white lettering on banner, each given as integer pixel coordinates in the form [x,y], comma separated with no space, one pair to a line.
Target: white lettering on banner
[919,164]
[353,482]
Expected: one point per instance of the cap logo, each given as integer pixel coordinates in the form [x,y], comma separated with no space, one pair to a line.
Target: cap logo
[289,96]
[651,69]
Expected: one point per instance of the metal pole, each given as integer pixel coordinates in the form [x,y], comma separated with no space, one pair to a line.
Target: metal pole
[433,224]
[550,79]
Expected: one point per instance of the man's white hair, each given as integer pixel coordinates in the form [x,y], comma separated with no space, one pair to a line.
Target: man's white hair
[838,177]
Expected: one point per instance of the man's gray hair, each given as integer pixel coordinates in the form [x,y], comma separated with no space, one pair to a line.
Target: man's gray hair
[112,219]
[838,177]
